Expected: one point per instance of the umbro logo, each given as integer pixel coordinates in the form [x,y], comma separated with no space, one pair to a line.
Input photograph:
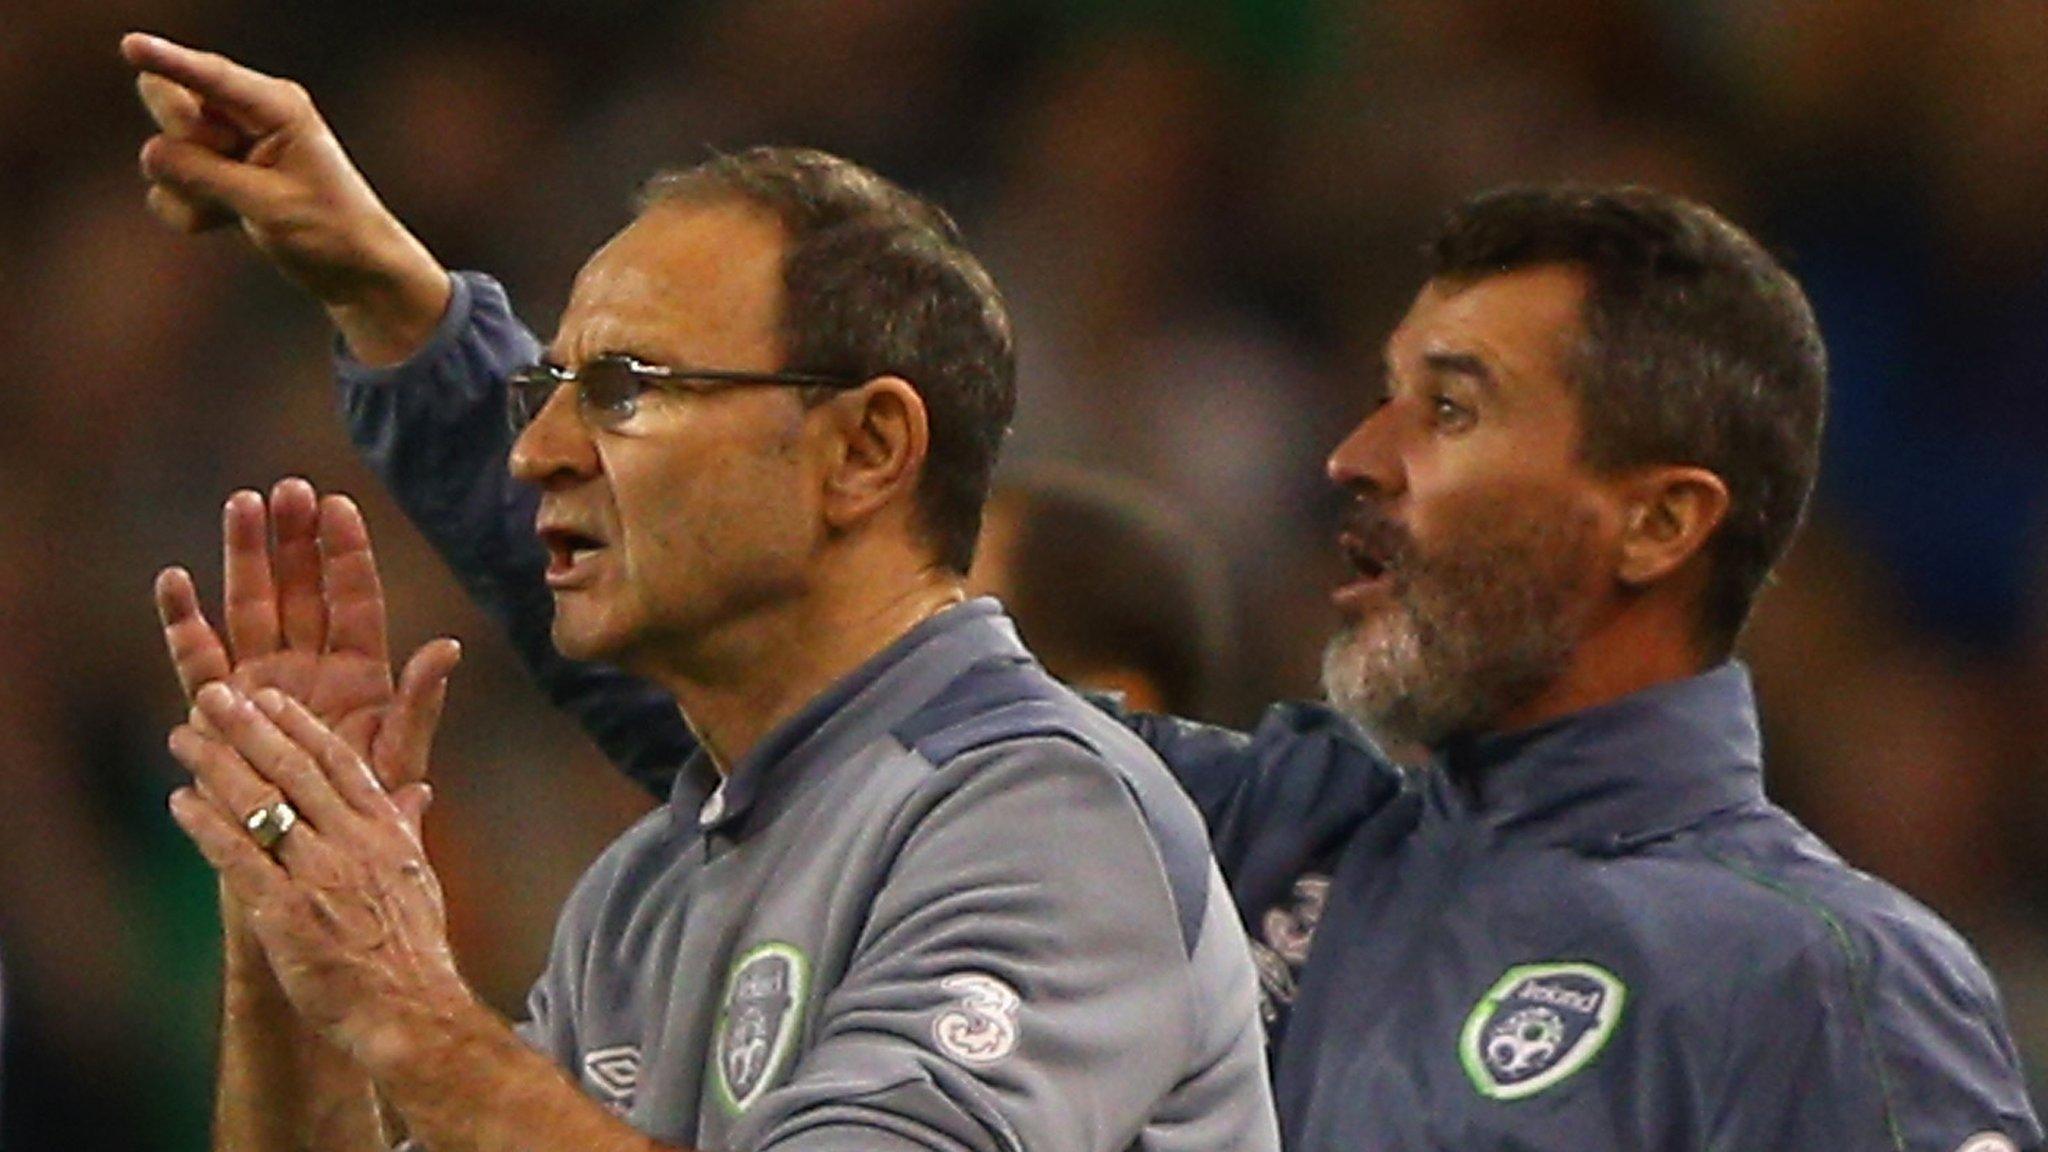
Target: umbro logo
[615,1074]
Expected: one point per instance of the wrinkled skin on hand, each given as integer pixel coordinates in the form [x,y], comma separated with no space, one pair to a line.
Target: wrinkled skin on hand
[346,908]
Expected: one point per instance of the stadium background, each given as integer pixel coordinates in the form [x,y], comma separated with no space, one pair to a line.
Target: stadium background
[1206,214]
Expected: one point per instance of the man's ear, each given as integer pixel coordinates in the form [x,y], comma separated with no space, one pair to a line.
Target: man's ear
[1672,512]
[881,439]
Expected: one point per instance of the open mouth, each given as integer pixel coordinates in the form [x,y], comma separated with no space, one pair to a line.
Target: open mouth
[1373,547]
[567,549]
[1367,559]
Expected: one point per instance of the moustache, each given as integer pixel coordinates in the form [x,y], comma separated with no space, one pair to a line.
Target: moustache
[1373,542]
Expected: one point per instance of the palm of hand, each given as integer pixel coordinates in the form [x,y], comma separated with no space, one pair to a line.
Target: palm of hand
[302,611]
[350,692]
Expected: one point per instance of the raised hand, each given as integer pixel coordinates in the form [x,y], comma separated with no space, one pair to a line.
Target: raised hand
[236,145]
[304,613]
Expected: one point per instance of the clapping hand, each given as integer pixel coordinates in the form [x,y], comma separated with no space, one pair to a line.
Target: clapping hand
[304,614]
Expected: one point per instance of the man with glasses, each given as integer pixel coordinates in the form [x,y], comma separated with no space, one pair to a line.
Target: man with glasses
[907,892]
[1582,925]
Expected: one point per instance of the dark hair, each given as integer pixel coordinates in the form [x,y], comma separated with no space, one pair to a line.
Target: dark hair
[1698,349]
[876,282]
[1104,573]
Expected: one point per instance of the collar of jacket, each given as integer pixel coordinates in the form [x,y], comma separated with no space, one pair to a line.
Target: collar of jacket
[1614,778]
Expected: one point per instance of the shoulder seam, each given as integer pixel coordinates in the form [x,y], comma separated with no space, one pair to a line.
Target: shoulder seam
[998,739]
[1859,990]
[1016,720]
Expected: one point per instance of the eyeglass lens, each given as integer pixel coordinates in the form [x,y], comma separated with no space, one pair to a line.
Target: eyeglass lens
[608,391]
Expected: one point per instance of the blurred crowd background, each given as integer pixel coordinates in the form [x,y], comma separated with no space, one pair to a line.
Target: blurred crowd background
[1206,213]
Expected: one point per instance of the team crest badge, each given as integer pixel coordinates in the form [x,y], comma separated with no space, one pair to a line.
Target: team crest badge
[1539,1024]
[758,1021]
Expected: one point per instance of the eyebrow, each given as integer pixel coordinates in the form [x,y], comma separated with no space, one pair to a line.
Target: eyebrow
[1463,364]
[549,358]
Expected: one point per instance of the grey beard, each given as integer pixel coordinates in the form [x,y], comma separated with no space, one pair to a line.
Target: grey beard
[1472,634]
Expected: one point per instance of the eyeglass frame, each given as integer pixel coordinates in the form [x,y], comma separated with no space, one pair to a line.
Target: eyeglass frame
[528,390]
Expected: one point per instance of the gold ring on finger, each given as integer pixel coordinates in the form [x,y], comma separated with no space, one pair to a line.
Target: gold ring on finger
[267,825]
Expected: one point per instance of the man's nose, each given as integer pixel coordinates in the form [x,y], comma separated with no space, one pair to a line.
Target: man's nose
[556,447]
[1368,461]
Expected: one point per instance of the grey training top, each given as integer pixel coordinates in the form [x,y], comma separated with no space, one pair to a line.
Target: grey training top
[948,906]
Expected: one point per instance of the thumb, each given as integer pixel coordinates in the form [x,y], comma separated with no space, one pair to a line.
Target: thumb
[399,752]
[202,176]
[412,802]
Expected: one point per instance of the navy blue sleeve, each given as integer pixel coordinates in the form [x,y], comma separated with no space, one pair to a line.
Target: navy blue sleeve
[1870,1040]
[434,429]
[1279,800]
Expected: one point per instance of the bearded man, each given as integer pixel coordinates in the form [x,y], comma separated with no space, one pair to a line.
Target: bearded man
[1581,925]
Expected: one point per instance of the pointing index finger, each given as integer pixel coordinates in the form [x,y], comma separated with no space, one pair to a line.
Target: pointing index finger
[256,103]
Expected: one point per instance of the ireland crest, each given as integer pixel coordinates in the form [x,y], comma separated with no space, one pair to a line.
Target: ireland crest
[1538,1025]
[758,1021]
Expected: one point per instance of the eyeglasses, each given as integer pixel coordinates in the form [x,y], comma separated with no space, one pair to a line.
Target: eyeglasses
[608,388]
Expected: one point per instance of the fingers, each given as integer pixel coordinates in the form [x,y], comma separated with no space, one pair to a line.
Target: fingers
[224,781]
[295,565]
[253,102]
[208,180]
[276,590]
[253,761]
[181,116]
[412,802]
[406,740]
[344,772]
[354,595]
[249,600]
[185,215]
[251,874]
[197,654]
